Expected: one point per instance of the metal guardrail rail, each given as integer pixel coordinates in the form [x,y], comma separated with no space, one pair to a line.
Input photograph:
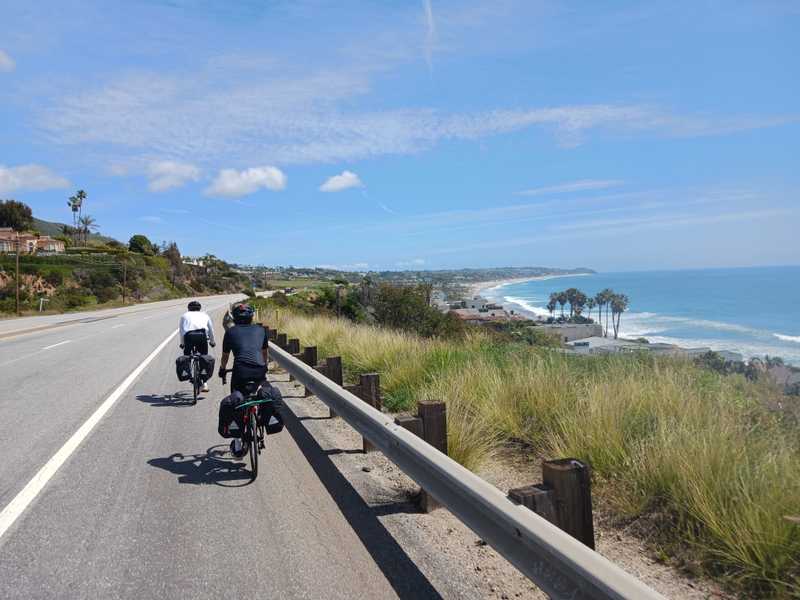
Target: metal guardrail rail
[559,564]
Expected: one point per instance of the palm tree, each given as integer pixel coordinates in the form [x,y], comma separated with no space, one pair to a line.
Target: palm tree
[87,224]
[590,304]
[76,203]
[619,304]
[551,304]
[605,300]
[562,300]
[578,302]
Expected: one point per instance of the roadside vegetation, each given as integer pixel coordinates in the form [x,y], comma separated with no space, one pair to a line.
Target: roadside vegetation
[96,271]
[698,459]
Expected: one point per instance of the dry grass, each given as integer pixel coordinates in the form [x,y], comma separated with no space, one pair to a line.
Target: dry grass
[663,437]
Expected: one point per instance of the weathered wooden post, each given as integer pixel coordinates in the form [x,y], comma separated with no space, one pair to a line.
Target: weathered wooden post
[410,423]
[434,431]
[281,341]
[539,498]
[272,334]
[309,356]
[293,347]
[369,390]
[570,480]
[333,371]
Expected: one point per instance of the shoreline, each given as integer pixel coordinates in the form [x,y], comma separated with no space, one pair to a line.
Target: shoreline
[489,290]
[478,288]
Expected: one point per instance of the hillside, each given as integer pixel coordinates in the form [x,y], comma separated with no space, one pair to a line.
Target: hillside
[55,229]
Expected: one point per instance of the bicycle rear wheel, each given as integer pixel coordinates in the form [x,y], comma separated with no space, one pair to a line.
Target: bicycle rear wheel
[253,429]
[195,370]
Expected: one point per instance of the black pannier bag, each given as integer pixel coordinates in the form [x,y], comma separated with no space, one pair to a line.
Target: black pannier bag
[268,414]
[183,368]
[206,367]
[230,420]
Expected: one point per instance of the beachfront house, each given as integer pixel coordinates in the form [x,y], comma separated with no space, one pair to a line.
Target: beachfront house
[569,332]
[476,303]
[28,243]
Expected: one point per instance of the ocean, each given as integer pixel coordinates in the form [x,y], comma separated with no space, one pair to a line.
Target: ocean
[752,311]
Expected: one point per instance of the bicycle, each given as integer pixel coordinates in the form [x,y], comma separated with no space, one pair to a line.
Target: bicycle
[194,374]
[253,432]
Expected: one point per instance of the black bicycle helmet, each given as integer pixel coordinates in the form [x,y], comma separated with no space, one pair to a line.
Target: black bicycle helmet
[194,305]
[242,314]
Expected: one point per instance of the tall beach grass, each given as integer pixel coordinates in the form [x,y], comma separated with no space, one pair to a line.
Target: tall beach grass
[696,452]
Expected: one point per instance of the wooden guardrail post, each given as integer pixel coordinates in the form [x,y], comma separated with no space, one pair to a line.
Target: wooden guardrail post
[369,390]
[272,334]
[309,356]
[334,372]
[293,346]
[410,423]
[539,498]
[434,431]
[570,480]
[281,340]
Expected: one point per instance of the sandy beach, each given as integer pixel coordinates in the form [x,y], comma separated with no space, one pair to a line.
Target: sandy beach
[478,288]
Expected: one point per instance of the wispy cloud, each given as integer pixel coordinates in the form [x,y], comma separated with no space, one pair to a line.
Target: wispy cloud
[310,119]
[7,63]
[29,177]
[167,174]
[231,183]
[344,181]
[152,219]
[574,186]
[617,227]
[430,33]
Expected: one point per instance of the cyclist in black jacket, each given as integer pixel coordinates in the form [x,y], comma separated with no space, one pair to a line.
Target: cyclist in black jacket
[249,345]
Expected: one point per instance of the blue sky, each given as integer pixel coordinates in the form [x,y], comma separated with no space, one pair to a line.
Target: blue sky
[431,134]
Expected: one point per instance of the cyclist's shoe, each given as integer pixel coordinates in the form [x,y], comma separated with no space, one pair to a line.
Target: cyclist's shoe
[205,387]
[239,448]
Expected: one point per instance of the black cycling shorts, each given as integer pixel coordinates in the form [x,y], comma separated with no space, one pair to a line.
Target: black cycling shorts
[195,339]
[244,373]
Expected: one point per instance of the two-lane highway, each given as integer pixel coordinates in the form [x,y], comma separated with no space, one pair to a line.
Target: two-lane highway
[149,503]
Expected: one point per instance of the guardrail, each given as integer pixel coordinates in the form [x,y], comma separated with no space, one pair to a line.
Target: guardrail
[559,564]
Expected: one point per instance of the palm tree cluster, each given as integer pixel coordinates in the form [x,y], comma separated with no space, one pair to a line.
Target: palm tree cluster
[82,225]
[608,302]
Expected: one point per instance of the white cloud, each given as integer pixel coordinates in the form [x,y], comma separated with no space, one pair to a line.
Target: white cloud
[231,183]
[574,186]
[167,174]
[416,262]
[344,181]
[29,177]
[357,266]
[151,219]
[7,63]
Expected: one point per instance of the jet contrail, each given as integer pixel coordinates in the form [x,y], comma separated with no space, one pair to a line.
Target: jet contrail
[430,34]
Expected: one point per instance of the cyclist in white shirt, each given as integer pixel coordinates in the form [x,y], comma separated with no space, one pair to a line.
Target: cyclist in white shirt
[196,332]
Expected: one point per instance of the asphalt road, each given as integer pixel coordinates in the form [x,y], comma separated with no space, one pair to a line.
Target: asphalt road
[150,503]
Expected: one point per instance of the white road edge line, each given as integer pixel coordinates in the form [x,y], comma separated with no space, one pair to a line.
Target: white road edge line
[21,501]
[58,344]
[118,325]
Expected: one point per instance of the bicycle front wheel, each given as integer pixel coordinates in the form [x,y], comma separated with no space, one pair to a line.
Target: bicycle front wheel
[253,428]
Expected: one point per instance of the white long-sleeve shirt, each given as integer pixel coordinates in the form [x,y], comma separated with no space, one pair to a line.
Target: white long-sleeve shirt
[196,319]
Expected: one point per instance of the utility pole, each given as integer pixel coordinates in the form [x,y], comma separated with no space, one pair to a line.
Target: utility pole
[124,280]
[16,278]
